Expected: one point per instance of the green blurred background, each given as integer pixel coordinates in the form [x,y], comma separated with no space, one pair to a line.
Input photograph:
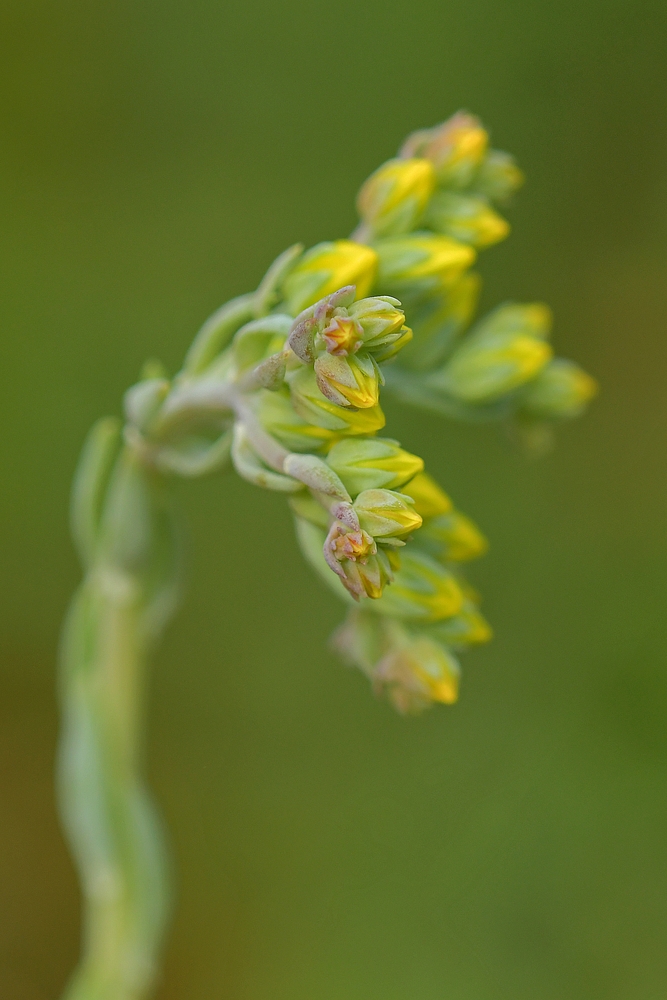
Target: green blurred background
[156,157]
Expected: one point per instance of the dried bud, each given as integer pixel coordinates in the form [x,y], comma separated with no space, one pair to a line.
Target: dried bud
[561,390]
[372,463]
[393,198]
[470,220]
[386,514]
[327,267]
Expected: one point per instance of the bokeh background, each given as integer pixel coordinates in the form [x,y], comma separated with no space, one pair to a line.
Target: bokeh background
[156,157]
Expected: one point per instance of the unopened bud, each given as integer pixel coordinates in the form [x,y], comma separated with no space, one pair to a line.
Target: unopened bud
[498,176]
[456,148]
[279,418]
[386,514]
[372,463]
[421,263]
[470,220]
[352,381]
[393,198]
[422,590]
[429,499]
[486,366]
[417,673]
[467,628]
[382,324]
[453,537]
[327,267]
[313,407]
[561,390]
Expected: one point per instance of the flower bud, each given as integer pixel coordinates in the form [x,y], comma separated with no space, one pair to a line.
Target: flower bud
[439,320]
[561,390]
[486,366]
[421,263]
[372,463]
[468,628]
[386,514]
[470,220]
[327,267]
[279,418]
[453,537]
[313,407]
[354,557]
[456,148]
[352,381]
[393,198]
[533,318]
[429,499]
[417,673]
[422,590]
[498,176]
[382,324]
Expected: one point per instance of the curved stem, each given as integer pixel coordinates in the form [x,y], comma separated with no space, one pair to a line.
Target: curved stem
[106,810]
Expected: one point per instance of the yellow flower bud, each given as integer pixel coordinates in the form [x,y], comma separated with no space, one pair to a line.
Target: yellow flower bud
[417,673]
[354,557]
[439,320]
[351,381]
[372,463]
[453,537]
[315,408]
[279,418]
[326,268]
[421,263]
[468,628]
[470,220]
[487,366]
[456,148]
[561,390]
[386,514]
[430,500]
[422,590]
[393,198]
[498,176]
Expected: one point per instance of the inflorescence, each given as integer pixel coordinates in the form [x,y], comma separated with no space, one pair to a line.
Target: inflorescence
[286,382]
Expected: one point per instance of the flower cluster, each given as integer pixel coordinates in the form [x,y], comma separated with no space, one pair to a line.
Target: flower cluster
[286,382]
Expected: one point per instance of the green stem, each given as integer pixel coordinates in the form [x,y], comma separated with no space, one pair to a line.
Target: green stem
[106,810]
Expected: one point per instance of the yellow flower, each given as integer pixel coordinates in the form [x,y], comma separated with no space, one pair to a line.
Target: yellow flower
[457,148]
[393,198]
[327,267]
